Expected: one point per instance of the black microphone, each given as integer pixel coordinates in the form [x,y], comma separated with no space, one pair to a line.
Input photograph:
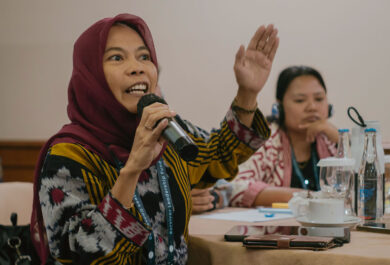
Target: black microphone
[173,133]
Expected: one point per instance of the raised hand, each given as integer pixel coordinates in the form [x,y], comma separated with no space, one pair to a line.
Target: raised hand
[253,65]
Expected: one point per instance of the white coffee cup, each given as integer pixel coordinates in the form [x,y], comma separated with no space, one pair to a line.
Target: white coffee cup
[325,210]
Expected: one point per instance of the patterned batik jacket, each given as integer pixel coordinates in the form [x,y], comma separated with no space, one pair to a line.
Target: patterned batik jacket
[85,224]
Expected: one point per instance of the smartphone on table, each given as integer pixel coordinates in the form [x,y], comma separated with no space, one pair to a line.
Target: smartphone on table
[239,232]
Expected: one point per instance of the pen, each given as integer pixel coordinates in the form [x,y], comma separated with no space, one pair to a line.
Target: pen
[274,210]
[281,205]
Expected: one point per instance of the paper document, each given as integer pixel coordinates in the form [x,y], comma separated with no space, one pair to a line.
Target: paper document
[252,215]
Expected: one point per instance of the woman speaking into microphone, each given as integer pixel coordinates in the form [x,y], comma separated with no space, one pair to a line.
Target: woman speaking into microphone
[108,188]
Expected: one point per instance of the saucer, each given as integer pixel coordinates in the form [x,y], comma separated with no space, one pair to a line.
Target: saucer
[348,221]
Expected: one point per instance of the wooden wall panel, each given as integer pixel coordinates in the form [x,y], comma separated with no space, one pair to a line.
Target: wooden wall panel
[387,149]
[19,158]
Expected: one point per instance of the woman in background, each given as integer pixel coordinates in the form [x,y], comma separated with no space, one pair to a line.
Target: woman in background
[108,189]
[301,135]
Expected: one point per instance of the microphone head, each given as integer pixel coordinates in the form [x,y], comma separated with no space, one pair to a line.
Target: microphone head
[174,134]
[186,148]
[147,100]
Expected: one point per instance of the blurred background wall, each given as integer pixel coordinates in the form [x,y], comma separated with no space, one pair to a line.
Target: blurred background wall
[347,41]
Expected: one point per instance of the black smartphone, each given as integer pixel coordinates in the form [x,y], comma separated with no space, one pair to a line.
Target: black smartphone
[297,242]
[239,232]
[374,227]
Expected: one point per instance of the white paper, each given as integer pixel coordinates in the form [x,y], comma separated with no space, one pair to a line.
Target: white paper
[246,216]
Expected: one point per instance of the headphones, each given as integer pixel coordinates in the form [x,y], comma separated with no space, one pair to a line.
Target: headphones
[277,111]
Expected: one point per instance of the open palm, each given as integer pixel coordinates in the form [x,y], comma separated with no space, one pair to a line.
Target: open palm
[253,65]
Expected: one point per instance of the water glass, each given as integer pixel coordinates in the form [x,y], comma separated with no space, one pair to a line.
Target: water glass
[336,180]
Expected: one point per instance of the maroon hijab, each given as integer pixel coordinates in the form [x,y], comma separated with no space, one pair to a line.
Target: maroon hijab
[98,121]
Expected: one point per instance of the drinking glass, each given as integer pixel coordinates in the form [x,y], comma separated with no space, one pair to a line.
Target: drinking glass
[336,180]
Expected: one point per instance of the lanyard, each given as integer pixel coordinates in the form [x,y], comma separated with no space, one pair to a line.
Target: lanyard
[167,198]
[298,172]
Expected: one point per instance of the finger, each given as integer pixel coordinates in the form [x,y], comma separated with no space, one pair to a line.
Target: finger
[274,49]
[270,43]
[264,38]
[153,108]
[309,124]
[313,126]
[152,119]
[156,133]
[240,56]
[195,192]
[256,37]
[202,208]
[304,126]
[202,200]
[150,110]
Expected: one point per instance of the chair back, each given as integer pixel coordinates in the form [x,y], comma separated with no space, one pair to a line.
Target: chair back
[16,197]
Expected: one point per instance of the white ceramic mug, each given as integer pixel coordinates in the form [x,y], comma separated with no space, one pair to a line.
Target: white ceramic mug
[325,210]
